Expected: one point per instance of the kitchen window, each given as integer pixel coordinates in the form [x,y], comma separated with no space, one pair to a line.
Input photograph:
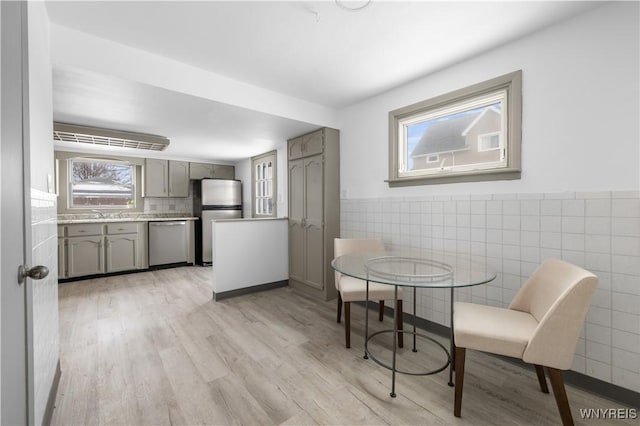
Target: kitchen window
[264,184]
[471,134]
[97,183]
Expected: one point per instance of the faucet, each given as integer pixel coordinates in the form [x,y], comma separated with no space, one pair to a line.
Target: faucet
[99,213]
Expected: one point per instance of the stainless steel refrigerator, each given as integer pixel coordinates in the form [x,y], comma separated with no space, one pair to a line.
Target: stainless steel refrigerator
[213,199]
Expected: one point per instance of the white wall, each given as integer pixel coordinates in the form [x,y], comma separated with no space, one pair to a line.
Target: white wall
[248,253]
[243,173]
[43,294]
[580,111]
[578,198]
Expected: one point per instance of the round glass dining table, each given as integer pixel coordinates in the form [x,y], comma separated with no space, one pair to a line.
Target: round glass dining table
[415,269]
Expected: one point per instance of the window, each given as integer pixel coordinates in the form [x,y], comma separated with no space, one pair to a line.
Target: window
[264,184]
[468,135]
[95,183]
[489,141]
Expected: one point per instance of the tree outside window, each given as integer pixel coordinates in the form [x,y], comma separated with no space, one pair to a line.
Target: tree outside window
[101,184]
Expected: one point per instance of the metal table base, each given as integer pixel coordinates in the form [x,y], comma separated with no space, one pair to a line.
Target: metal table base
[450,355]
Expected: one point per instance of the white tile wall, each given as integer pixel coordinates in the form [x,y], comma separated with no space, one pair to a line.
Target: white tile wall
[44,294]
[514,233]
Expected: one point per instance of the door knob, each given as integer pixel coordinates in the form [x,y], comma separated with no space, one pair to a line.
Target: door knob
[38,272]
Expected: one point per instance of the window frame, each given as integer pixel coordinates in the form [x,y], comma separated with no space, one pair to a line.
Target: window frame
[62,187]
[274,184]
[510,84]
[134,188]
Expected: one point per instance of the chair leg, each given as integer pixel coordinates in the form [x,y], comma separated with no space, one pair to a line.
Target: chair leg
[541,379]
[347,324]
[399,323]
[557,384]
[339,307]
[380,310]
[457,407]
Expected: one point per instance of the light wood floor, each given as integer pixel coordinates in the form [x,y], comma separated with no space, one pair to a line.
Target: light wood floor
[153,348]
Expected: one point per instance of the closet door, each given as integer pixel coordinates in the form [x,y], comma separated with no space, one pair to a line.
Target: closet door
[314,221]
[296,220]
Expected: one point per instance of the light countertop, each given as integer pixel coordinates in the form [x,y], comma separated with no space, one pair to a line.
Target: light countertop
[123,219]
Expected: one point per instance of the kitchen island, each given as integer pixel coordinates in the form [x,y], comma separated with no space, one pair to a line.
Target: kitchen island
[249,255]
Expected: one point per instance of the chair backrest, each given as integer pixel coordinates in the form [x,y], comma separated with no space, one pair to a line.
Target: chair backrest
[558,295]
[342,246]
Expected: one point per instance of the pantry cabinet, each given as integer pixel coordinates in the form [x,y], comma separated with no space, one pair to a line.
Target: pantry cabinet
[314,210]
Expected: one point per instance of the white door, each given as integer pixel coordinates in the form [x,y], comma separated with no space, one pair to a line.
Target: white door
[14,395]
[16,295]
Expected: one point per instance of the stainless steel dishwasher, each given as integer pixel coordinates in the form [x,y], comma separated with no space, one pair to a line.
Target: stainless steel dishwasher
[168,242]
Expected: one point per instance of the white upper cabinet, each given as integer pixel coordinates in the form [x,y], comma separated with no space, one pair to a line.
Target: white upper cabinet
[156,178]
[206,171]
[178,179]
[166,178]
[223,171]
[200,171]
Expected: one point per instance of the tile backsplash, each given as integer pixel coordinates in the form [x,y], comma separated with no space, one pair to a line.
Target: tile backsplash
[153,207]
[168,205]
[514,233]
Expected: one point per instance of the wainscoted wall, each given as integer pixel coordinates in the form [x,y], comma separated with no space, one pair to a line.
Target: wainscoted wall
[44,243]
[514,233]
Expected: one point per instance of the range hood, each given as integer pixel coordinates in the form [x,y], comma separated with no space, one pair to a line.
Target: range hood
[64,132]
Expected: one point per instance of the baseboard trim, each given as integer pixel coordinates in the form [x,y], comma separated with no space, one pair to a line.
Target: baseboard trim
[130,271]
[51,401]
[248,290]
[590,384]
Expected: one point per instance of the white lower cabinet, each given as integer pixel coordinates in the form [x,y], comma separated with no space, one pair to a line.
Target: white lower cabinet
[62,261]
[93,249]
[85,256]
[122,252]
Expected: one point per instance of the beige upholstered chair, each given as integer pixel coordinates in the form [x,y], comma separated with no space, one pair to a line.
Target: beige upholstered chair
[541,327]
[354,290]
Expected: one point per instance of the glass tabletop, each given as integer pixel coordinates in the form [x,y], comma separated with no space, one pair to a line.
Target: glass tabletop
[415,268]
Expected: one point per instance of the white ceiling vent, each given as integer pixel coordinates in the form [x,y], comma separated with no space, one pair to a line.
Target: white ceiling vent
[96,136]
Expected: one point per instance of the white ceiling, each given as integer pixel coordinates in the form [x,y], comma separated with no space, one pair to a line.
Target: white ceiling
[198,128]
[315,51]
